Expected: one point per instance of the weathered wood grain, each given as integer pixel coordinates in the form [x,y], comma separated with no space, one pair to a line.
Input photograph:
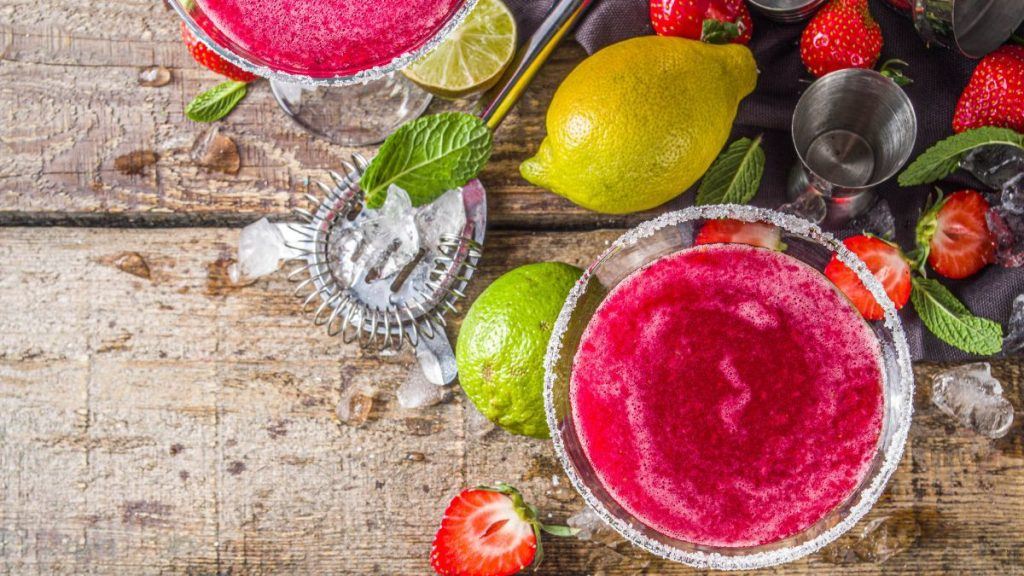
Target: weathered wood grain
[155,420]
[70,106]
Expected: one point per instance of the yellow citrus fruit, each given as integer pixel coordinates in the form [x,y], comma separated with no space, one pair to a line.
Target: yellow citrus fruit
[471,58]
[640,121]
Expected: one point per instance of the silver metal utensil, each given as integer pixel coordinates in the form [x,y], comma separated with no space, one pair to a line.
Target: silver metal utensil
[974,27]
[853,129]
[410,308]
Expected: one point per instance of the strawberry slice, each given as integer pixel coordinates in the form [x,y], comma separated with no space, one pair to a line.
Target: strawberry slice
[488,532]
[728,231]
[885,261]
[956,235]
[211,60]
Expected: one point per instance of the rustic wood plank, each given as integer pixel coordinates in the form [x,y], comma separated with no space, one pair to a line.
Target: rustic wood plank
[158,421]
[70,106]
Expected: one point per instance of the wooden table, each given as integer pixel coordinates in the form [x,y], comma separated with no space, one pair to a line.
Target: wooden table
[155,419]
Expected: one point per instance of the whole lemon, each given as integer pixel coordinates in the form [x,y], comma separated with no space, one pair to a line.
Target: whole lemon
[640,121]
[501,346]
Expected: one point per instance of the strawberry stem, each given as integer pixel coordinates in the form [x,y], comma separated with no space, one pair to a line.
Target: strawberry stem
[718,32]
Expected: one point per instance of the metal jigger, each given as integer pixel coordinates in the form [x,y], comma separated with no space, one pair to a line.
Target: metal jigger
[853,129]
[787,10]
[974,27]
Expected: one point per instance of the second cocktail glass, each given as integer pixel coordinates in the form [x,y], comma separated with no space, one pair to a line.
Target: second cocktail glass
[332,64]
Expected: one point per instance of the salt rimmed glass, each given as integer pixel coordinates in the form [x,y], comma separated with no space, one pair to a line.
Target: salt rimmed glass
[350,109]
[665,235]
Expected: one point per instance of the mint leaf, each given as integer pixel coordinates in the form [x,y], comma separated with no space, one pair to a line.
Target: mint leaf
[427,157]
[216,102]
[718,32]
[944,157]
[952,322]
[735,175]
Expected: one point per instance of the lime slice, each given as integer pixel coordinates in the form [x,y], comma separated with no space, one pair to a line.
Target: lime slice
[473,57]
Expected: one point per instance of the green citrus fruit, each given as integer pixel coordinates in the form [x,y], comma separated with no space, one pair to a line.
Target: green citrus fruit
[472,58]
[501,346]
[640,121]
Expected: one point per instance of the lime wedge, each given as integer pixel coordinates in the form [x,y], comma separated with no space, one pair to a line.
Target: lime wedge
[473,57]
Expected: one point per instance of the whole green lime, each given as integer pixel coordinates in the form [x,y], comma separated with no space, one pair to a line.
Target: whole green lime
[501,346]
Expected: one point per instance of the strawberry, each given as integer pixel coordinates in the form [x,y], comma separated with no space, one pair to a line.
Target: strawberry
[714,21]
[994,96]
[955,235]
[210,59]
[885,261]
[489,532]
[736,232]
[841,35]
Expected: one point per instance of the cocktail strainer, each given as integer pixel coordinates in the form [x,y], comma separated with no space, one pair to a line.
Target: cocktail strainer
[355,302]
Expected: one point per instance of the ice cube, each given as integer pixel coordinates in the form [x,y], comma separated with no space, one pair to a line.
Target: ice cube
[878,221]
[1013,343]
[477,425]
[1008,230]
[974,397]
[260,251]
[589,526]
[445,215]
[355,405]
[1011,197]
[809,205]
[392,241]
[994,164]
[418,392]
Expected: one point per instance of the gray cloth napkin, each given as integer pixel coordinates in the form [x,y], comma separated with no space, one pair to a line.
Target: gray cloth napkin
[939,74]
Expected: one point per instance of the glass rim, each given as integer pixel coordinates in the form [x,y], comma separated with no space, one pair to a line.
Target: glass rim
[874,486]
[361,77]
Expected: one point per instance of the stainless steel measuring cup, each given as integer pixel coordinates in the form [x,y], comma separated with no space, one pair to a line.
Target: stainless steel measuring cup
[974,27]
[853,129]
[787,10]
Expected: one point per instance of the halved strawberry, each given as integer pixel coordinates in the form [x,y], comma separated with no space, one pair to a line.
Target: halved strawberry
[488,532]
[737,232]
[210,59]
[885,261]
[956,236]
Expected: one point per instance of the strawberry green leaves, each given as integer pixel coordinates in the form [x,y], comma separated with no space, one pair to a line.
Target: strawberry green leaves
[735,175]
[427,157]
[944,157]
[216,102]
[949,320]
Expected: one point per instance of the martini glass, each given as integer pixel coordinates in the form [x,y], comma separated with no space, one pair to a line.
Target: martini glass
[332,64]
[668,234]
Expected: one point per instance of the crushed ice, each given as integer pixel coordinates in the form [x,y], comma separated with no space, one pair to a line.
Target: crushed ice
[418,392]
[477,425]
[974,397]
[262,248]
[809,206]
[1013,343]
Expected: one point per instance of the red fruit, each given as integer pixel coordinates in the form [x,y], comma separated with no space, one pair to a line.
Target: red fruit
[211,60]
[487,532]
[841,35]
[715,21]
[995,94]
[887,264]
[736,232]
[957,235]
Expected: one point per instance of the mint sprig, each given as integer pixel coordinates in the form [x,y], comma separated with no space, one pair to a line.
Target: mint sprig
[735,175]
[949,320]
[944,157]
[427,157]
[216,102]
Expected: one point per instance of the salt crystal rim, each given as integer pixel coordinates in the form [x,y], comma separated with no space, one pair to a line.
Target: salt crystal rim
[868,495]
[361,77]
